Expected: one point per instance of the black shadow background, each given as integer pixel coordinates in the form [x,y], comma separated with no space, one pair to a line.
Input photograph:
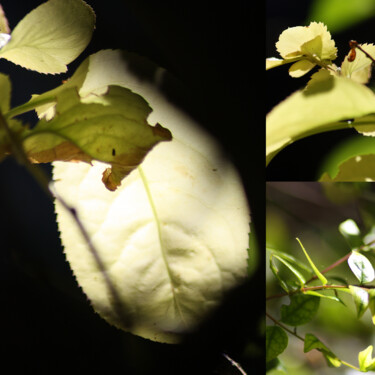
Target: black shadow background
[47,325]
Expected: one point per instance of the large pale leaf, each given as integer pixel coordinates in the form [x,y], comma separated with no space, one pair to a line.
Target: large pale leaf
[51,36]
[173,238]
[327,100]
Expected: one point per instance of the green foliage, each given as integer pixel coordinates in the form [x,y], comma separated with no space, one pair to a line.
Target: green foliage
[301,310]
[310,285]
[51,36]
[336,97]
[276,342]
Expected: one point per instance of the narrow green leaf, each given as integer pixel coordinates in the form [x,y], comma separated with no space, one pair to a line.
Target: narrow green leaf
[316,109]
[366,362]
[361,299]
[292,269]
[301,310]
[51,36]
[112,128]
[291,259]
[312,342]
[313,293]
[276,342]
[317,272]
[351,233]
[361,267]
[275,271]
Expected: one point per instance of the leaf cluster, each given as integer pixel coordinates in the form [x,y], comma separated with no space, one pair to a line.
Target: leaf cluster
[92,115]
[336,97]
[305,297]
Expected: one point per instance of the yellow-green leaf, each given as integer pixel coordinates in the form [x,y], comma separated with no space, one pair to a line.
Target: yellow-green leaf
[112,128]
[51,36]
[320,107]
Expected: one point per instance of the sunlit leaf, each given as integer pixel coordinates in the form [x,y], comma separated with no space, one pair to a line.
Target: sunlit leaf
[315,269]
[173,237]
[312,342]
[361,267]
[51,36]
[298,274]
[301,310]
[291,259]
[313,293]
[350,231]
[361,299]
[360,68]
[276,273]
[365,360]
[276,342]
[312,41]
[320,107]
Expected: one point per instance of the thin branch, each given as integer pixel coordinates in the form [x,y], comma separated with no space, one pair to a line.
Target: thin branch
[235,364]
[47,186]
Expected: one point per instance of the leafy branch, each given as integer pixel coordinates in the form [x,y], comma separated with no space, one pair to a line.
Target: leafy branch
[336,97]
[304,299]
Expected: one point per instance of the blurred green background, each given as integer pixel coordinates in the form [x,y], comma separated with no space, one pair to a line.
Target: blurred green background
[312,212]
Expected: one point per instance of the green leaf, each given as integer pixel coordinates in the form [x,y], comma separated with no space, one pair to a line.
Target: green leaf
[317,272]
[301,310]
[312,342]
[366,362]
[361,267]
[320,107]
[276,342]
[313,293]
[361,299]
[51,36]
[292,269]
[115,131]
[339,15]
[291,259]
[275,271]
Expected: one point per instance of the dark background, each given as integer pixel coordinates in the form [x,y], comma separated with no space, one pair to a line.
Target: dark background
[300,161]
[47,325]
